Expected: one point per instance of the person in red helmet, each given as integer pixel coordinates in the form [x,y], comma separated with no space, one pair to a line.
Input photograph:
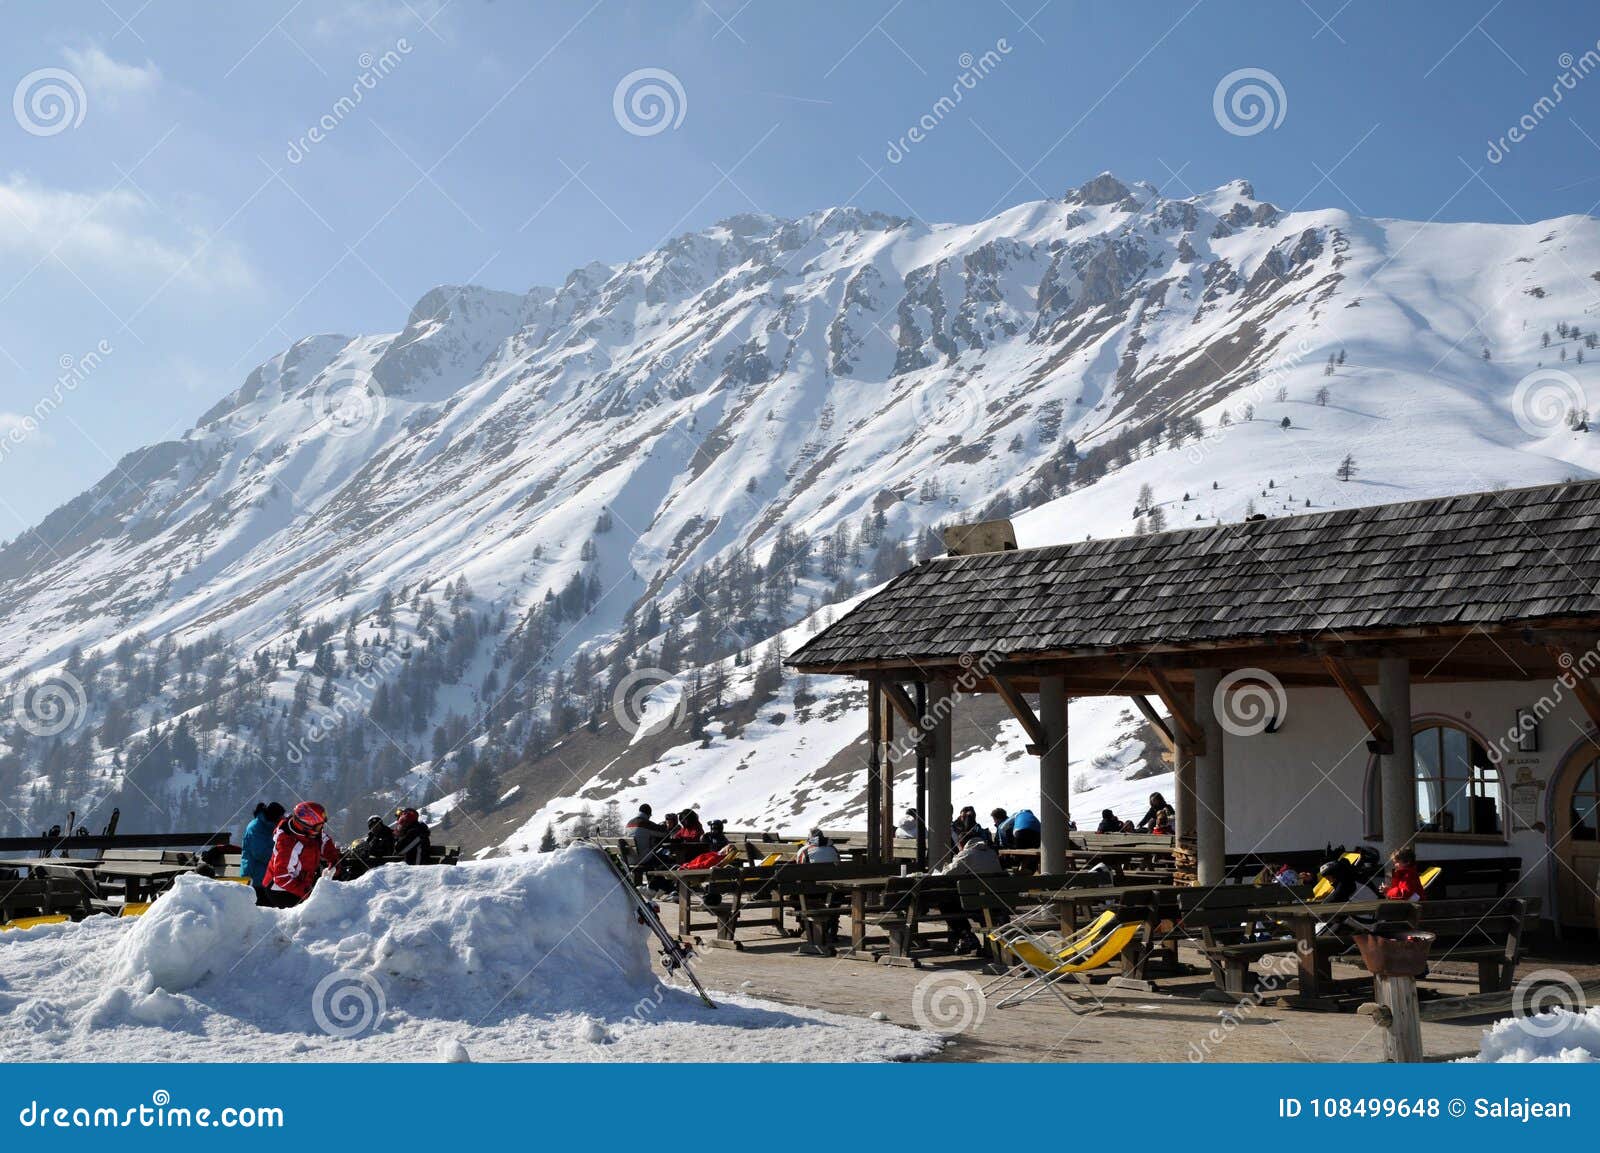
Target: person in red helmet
[301,849]
[412,838]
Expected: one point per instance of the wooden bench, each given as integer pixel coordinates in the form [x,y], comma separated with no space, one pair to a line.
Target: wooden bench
[437,855]
[730,893]
[1227,936]
[1473,877]
[1487,931]
[43,896]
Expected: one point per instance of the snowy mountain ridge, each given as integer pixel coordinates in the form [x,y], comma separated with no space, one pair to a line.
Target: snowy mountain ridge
[447,548]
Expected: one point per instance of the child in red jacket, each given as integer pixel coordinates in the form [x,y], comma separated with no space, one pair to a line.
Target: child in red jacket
[301,849]
[1405,883]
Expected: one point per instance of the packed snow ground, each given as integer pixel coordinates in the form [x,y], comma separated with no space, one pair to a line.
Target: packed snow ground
[535,958]
[1557,1036]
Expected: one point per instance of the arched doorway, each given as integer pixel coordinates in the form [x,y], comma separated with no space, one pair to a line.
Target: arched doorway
[1575,839]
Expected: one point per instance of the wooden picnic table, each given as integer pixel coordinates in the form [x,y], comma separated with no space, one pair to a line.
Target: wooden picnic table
[857,888]
[1302,919]
[32,863]
[136,876]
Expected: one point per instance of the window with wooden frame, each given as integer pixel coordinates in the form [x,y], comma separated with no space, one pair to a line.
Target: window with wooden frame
[1458,788]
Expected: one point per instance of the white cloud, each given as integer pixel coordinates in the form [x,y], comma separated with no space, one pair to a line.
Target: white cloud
[116,233]
[109,79]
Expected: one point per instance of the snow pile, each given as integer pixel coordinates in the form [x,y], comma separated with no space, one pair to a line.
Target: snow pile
[1559,1035]
[525,958]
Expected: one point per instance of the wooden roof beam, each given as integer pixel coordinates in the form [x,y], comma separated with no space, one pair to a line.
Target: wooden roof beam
[1382,737]
[900,700]
[1018,705]
[1156,722]
[1178,709]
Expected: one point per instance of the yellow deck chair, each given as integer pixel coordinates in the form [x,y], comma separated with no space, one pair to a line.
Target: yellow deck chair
[32,922]
[1089,950]
[1016,930]
[771,859]
[1324,887]
[135,908]
[1429,876]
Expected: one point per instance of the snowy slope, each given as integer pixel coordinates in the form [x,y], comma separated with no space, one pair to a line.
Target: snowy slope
[469,532]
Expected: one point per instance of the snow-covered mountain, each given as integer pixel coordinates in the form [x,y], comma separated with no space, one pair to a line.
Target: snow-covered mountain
[427,563]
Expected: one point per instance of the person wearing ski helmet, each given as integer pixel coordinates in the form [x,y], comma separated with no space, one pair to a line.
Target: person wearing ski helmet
[412,838]
[301,850]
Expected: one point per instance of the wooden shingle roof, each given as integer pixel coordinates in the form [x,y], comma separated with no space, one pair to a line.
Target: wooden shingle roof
[1510,557]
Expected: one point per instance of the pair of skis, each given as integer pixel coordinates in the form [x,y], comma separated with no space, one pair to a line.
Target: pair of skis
[674,953]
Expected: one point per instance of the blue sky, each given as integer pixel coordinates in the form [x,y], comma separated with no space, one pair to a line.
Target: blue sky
[171,215]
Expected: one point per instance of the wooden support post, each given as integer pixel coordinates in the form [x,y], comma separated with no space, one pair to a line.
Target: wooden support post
[1183,801]
[1054,803]
[1188,723]
[922,778]
[1211,834]
[1397,771]
[874,767]
[1377,723]
[887,812]
[940,753]
[1395,1012]
[1156,723]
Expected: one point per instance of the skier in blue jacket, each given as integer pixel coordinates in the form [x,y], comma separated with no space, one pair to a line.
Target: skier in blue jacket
[1018,831]
[257,842]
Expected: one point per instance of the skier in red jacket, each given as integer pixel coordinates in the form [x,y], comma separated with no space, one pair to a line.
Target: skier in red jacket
[301,849]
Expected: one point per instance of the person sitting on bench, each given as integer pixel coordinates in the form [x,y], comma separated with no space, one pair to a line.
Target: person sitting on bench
[715,838]
[1159,814]
[212,862]
[645,832]
[910,825]
[689,827]
[412,839]
[966,822]
[817,850]
[1109,822]
[977,858]
[1018,831]
[1405,882]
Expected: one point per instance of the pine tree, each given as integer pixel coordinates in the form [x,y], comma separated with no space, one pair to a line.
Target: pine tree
[1346,469]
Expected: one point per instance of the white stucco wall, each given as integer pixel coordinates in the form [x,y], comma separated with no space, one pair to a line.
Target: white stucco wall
[1305,785]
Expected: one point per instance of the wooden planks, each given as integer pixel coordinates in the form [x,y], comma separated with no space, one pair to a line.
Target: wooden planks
[1526,556]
